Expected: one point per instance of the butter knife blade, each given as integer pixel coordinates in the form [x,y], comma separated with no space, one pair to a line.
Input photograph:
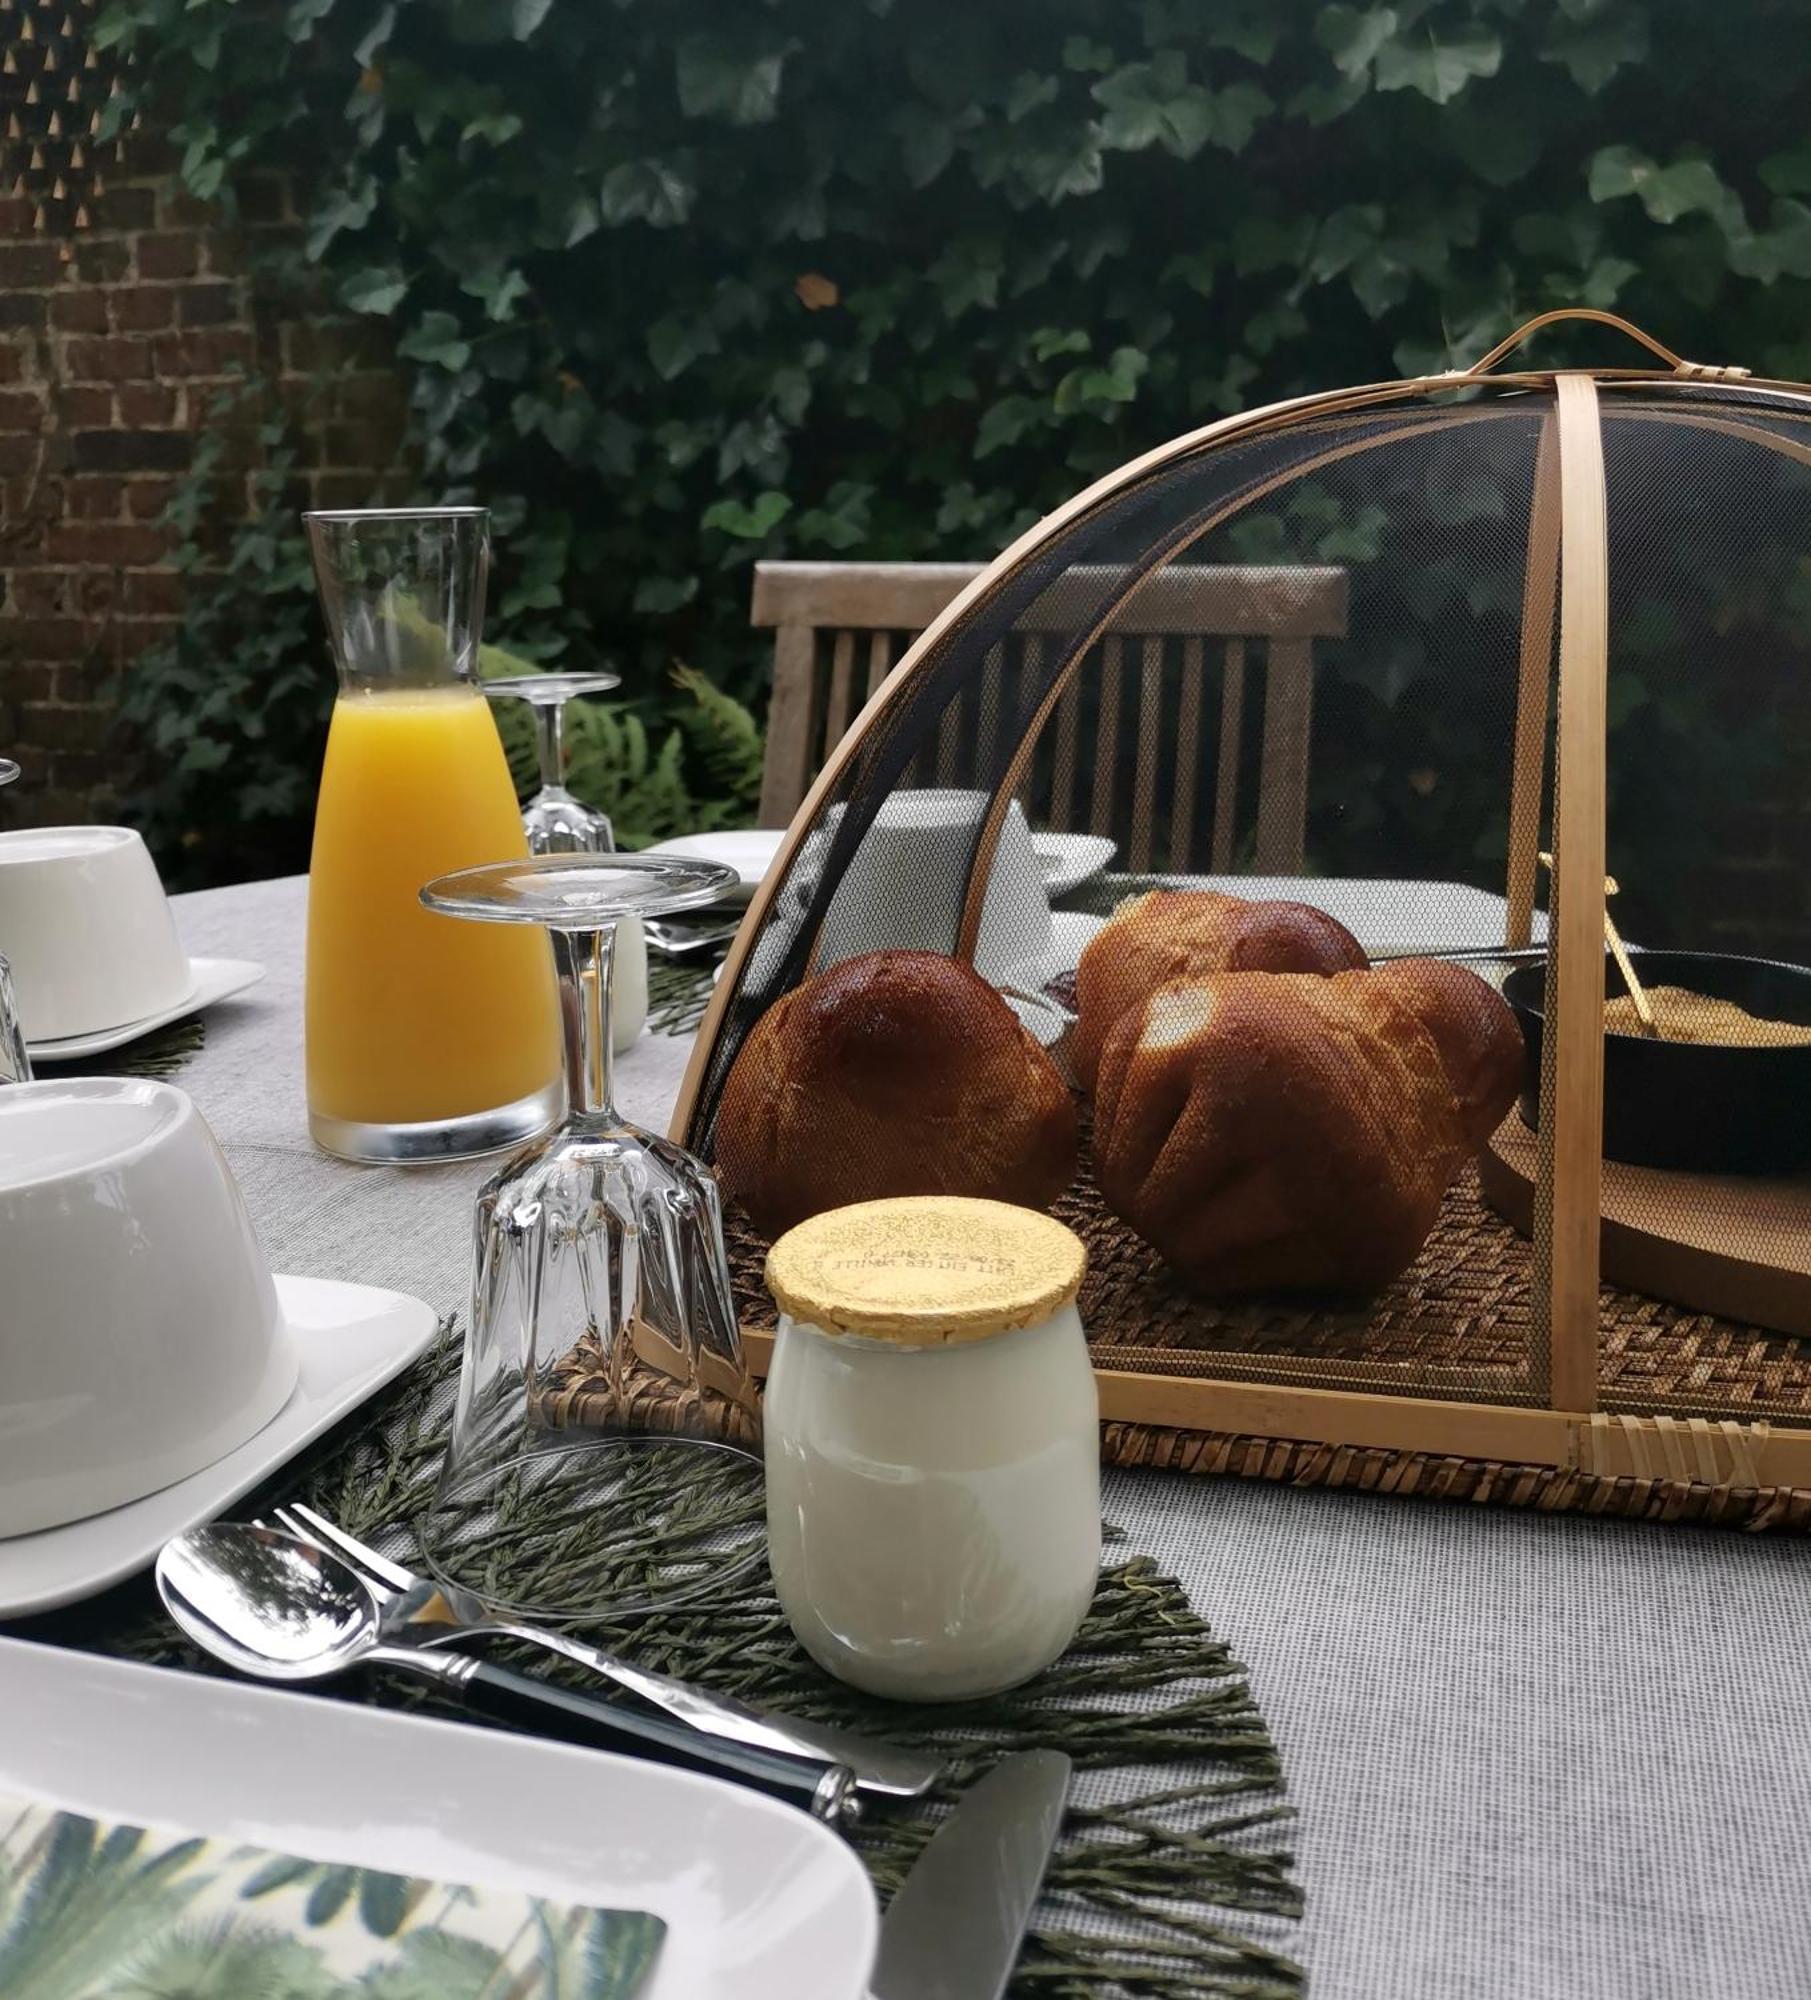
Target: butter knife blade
[954,1929]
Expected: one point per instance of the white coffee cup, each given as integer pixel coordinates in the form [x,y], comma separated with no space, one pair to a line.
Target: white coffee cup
[904,885]
[140,1334]
[87,928]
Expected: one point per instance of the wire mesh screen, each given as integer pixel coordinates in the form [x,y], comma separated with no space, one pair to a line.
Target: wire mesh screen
[1707,1137]
[1190,881]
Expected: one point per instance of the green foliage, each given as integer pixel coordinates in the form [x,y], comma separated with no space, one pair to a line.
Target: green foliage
[612,761]
[814,279]
[230,715]
[88,1910]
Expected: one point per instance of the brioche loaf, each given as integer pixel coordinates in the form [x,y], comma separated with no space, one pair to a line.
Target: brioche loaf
[1171,934]
[1276,1131]
[896,1072]
[1473,1028]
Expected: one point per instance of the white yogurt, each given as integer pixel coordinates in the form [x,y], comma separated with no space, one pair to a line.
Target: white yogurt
[933,1511]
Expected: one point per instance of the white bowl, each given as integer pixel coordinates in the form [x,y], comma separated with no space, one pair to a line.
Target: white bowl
[904,886]
[140,1336]
[87,929]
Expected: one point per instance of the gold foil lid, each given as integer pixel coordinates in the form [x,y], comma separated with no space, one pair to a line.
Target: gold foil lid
[926,1270]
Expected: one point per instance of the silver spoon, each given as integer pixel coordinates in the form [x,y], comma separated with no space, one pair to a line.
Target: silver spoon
[280,1609]
[437,1613]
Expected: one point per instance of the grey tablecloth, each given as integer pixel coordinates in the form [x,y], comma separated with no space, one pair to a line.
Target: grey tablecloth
[1533,1757]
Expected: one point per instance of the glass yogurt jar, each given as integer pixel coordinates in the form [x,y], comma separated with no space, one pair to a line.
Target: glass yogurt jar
[932,1442]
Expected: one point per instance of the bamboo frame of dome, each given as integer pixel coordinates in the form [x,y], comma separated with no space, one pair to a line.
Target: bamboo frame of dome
[1566,574]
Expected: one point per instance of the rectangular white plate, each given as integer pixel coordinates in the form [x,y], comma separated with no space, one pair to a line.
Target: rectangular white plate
[761,1902]
[350,1340]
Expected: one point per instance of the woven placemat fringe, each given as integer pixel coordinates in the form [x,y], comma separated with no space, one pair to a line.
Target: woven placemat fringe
[1655,1493]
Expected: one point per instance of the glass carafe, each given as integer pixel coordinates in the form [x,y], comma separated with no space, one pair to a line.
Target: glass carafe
[426,1040]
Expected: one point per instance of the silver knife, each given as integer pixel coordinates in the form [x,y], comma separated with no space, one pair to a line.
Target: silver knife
[954,1929]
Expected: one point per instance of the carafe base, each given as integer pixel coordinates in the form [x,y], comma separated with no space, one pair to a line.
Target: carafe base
[437,1140]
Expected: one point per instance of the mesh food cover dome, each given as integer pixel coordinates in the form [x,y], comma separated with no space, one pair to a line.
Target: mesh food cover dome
[1227,869]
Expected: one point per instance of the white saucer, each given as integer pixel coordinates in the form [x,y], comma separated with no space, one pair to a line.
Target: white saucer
[215,979]
[750,851]
[350,1340]
[1070,859]
[760,1901]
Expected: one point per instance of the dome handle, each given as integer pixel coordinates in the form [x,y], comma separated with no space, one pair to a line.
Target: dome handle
[1522,334]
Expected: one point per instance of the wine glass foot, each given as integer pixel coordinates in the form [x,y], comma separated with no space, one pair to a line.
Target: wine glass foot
[557,823]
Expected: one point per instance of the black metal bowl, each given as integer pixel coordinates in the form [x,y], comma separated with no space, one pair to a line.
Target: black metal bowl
[1693,1106]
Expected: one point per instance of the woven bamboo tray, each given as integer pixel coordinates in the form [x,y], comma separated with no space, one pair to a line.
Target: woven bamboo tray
[1496,1368]
[1458,1323]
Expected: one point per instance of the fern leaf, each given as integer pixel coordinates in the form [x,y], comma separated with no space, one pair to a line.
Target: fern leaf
[727,738]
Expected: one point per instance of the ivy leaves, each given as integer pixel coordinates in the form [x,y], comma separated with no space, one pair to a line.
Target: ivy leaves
[1692,187]
[1439,67]
[1687,187]
[436,338]
[749,523]
[659,192]
[373,289]
[715,81]
[1154,103]
[811,281]
[1404,50]
[1594,47]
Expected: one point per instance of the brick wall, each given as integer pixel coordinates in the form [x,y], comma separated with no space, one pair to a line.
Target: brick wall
[115,340]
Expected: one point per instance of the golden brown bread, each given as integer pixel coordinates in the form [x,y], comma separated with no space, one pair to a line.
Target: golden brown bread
[898,1072]
[1475,1032]
[1171,934]
[1276,1131]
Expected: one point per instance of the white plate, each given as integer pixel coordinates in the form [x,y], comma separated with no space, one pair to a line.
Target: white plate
[761,1903]
[1069,859]
[350,1340]
[215,979]
[749,851]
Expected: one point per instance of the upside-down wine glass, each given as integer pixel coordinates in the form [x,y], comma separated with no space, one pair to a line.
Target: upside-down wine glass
[15,1064]
[557,822]
[602,1449]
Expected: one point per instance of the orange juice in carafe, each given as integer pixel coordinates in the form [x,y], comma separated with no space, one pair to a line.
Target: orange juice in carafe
[427,1038]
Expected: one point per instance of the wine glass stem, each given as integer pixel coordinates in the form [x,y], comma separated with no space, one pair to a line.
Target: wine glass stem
[549,719]
[585,960]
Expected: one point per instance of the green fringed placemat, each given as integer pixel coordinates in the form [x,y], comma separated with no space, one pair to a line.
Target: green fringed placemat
[161,1053]
[1174,1877]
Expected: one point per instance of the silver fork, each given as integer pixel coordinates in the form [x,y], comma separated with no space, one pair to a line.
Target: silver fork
[424,1612]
